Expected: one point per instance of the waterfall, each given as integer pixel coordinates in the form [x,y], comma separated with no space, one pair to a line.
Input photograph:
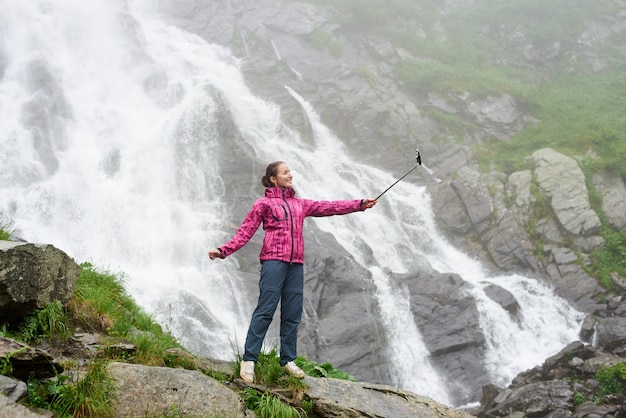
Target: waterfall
[109,150]
[405,225]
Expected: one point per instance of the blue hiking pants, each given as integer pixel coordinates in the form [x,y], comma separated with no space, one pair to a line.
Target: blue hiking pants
[284,282]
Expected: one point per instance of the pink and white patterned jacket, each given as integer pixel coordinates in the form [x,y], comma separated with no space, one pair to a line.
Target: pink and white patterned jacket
[282,215]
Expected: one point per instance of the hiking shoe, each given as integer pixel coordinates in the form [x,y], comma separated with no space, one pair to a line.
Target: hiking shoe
[294,370]
[246,371]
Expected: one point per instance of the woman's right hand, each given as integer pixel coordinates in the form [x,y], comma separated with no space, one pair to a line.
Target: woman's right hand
[215,253]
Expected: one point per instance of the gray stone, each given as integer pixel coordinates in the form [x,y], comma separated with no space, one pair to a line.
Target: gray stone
[12,388]
[588,328]
[498,115]
[151,391]
[562,180]
[610,330]
[536,399]
[509,245]
[601,360]
[448,320]
[503,298]
[339,398]
[339,295]
[475,197]
[564,255]
[32,276]
[518,187]
[25,361]
[449,209]
[11,409]
[613,191]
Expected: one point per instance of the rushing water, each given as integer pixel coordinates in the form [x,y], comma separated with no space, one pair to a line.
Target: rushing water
[109,149]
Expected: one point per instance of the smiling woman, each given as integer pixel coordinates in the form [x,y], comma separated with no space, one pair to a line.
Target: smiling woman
[280,173]
[282,259]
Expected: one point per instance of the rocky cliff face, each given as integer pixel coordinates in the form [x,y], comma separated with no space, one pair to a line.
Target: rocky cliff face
[492,215]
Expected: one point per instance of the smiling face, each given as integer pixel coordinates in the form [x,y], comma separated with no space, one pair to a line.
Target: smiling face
[283,176]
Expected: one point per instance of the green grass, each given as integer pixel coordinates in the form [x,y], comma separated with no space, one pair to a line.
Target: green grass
[268,373]
[49,322]
[268,405]
[326,41]
[612,380]
[6,231]
[573,120]
[611,258]
[91,396]
[579,111]
[101,303]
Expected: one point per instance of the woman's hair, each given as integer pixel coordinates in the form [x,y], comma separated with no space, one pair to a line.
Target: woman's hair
[270,171]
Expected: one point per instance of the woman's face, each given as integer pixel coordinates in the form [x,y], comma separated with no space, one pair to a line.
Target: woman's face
[283,176]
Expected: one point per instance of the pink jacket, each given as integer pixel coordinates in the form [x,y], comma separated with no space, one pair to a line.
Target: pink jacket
[283,216]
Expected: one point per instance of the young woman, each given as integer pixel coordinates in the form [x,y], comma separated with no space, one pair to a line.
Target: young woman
[282,259]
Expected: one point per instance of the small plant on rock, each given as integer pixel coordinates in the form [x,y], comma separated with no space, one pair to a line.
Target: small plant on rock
[612,380]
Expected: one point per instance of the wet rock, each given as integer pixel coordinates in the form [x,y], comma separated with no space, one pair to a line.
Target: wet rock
[31,276]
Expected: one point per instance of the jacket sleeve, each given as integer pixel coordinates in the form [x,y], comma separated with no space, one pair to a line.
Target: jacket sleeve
[329,208]
[247,229]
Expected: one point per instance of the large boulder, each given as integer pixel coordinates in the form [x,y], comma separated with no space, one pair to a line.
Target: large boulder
[152,391]
[340,312]
[32,276]
[340,398]
[448,320]
[563,181]
[476,198]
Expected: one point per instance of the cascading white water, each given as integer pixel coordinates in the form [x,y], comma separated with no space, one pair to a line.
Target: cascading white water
[403,231]
[109,151]
[128,176]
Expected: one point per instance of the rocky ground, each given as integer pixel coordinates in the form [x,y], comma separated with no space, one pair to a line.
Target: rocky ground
[35,275]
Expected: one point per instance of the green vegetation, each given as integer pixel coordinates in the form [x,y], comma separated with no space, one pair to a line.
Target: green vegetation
[267,405]
[531,50]
[101,304]
[578,110]
[269,374]
[579,399]
[324,40]
[91,396]
[574,121]
[322,370]
[612,380]
[610,258]
[6,230]
[49,322]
